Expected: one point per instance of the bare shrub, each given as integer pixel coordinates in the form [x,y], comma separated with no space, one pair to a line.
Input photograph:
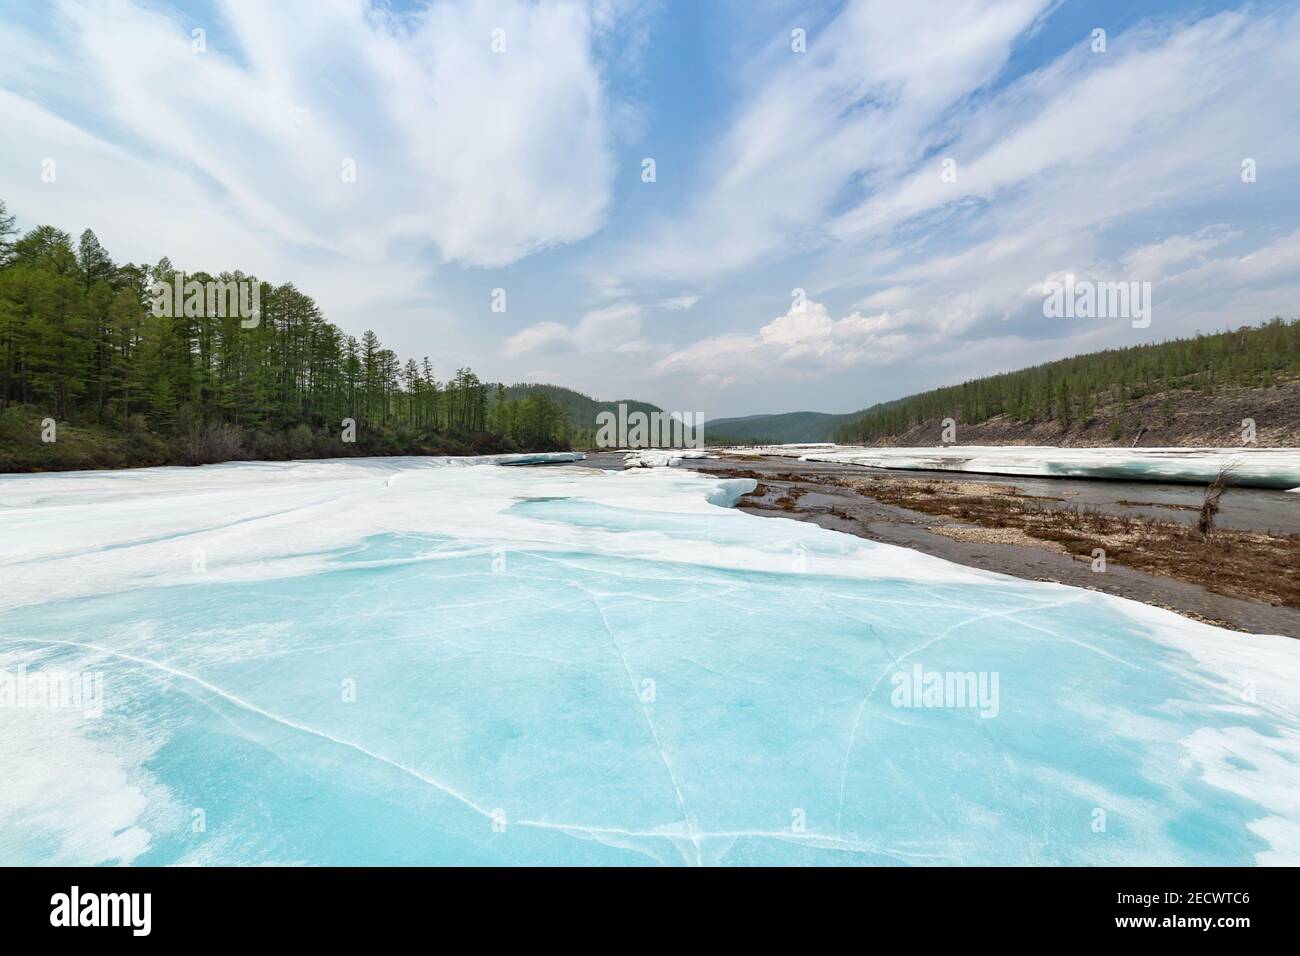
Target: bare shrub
[300,439]
[211,443]
[1210,507]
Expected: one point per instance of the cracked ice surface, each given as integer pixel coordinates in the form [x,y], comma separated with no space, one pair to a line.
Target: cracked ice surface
[1256,467]
[563,665]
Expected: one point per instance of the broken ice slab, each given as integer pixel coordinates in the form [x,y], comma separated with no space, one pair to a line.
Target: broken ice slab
[1250,467]
[659,457]
[533,458]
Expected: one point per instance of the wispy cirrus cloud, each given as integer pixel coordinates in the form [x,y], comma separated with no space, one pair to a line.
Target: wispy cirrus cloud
[854,108]
[821,170]
[616,328]
[1067,168]
[336,144]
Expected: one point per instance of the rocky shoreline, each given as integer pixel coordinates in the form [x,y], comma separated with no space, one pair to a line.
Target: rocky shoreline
[1250,564]
[1042,535]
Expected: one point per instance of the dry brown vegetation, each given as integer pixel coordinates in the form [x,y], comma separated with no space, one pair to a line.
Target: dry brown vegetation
[1255,565]
[758,498]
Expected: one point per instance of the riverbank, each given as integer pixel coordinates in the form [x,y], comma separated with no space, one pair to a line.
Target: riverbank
[1240,578]
[1245,466]
[31,444]
[1243,578]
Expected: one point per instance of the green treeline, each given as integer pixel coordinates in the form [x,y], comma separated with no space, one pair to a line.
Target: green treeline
[579,410]
[1071,390]
[80,343]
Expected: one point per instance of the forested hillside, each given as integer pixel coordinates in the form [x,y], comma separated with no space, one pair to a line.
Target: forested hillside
[783,429]
[1113,395]
[580,410]
[80,344]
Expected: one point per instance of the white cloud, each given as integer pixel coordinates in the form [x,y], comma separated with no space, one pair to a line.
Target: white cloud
[233,157]
[713,381]
[616,328]
[824,174]
[805,339]
[853,107]
[679,303]
[539,337]
[1268,265]
[1079,115]
[1066,170]
[1151,261]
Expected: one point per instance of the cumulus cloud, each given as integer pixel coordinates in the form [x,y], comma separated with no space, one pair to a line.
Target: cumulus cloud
[805,339]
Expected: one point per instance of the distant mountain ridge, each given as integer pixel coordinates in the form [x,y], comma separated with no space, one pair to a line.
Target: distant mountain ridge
[782,429]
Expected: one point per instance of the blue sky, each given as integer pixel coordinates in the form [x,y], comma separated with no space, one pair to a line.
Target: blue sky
[775,171]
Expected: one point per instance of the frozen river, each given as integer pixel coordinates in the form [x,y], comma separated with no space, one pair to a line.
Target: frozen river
[395,661]
[1248,465]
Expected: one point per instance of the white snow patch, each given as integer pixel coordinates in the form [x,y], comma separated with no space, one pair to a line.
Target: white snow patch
[659,457]
[78,800]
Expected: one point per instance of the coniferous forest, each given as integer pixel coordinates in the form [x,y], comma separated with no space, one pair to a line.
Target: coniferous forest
[1071,390]
[80,344]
